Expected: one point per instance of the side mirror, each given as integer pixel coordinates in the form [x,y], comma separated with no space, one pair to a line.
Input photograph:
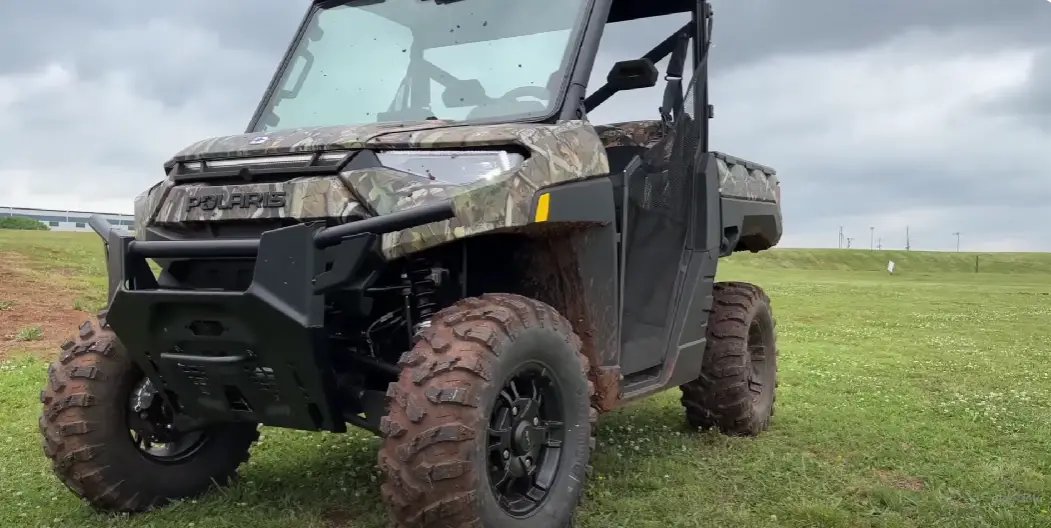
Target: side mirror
[270,119]
[632,75]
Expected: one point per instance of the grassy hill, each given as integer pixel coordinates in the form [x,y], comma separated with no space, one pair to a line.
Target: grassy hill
[904,261]
[80,252]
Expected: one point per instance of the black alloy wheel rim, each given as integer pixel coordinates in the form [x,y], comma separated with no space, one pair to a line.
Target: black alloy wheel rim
[526,433]
[152,432]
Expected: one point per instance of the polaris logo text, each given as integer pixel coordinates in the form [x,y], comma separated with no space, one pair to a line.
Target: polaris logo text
[211,202]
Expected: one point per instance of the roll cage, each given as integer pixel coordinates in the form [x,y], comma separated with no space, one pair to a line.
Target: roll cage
[693,37]
[572,100]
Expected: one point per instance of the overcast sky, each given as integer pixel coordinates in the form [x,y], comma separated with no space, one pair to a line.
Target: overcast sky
[932,114]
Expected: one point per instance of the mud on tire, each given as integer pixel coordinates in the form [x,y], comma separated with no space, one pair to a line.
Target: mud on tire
[86,432]
[440,457]
[736,390]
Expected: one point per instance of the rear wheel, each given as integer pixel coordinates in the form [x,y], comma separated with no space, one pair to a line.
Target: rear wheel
[736,390]
[490,423]
[109,435]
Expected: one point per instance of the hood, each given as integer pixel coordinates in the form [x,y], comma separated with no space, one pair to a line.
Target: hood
[296,140]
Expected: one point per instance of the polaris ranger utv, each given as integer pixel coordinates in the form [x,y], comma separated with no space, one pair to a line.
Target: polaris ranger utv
[423,235]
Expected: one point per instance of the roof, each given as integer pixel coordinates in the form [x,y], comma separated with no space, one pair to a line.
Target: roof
[429,34]
[624,10]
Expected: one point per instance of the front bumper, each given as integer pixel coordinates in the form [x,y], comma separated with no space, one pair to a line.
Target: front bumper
[259,354]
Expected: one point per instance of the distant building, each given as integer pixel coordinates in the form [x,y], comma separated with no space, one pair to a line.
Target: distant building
[67,220]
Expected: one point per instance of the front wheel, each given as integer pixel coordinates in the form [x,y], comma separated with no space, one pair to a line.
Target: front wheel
[490,423]
[109,436]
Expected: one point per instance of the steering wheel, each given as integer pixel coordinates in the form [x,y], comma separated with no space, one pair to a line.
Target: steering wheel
[509,103]
[538,92]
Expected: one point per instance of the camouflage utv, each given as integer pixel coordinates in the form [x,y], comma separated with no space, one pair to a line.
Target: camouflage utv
[473,277]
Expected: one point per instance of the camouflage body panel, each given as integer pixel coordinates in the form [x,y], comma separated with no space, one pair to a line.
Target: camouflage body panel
[746,180]
[295,140]
[644,134]
[738,178]
[386,190]
[557,153]
[305,199]
[145,204]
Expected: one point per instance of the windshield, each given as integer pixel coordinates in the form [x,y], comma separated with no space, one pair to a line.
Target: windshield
[411,60]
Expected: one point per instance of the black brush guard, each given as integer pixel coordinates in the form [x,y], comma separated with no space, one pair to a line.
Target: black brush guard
[260,354]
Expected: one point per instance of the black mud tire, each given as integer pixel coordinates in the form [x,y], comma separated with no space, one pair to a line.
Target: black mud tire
[436,452]
[86,435]
[737,388]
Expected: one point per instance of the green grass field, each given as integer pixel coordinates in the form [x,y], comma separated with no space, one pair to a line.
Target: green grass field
[920,399]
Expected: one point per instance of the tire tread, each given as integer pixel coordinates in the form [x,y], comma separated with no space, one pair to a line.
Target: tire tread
[428,477]
[81,381]
[720,397]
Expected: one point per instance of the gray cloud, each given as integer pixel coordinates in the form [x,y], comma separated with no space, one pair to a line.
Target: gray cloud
[752,29]
[932,114]
[1029,104]
[47,31]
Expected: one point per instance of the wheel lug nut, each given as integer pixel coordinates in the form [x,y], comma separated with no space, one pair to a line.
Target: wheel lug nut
[536,421]
[514,411]
[507,454]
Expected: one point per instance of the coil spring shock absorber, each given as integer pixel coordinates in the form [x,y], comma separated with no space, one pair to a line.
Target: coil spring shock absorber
[420,289]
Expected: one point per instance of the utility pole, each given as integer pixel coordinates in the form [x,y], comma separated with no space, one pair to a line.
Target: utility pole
[848,242]
[879,244]
[957,241]
[840,237]
[908,246]
[872,232]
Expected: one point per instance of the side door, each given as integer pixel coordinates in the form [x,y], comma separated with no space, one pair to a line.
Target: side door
[671,240]
[658,211]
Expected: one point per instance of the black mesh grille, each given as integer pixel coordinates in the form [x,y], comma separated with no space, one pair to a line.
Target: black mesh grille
[658,216]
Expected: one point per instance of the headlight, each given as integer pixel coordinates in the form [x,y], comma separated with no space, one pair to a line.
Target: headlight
[459,167]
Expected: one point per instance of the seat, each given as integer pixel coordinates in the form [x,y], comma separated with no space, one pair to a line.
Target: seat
[623,142]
